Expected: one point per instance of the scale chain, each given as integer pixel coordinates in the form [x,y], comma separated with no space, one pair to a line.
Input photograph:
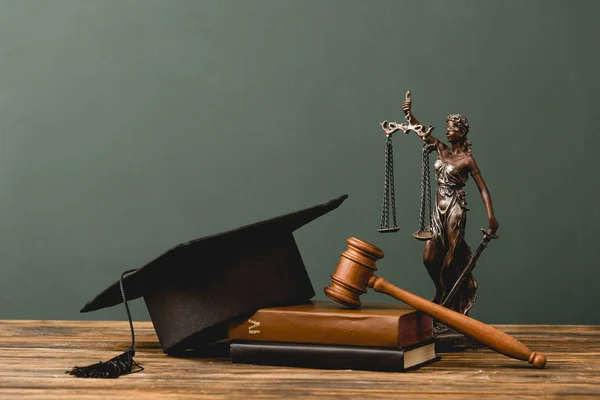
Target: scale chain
[391,179]
[423,189]
[385,206]
[428,189]
[388,191]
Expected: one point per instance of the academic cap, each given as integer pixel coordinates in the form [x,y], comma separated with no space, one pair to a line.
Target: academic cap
[195,288]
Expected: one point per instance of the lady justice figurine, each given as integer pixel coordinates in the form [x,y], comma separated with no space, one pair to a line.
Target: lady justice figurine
[447,256]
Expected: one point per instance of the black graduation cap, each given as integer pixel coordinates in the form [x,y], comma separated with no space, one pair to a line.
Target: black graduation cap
[193,290]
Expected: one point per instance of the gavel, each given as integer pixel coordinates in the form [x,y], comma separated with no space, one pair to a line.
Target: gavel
[355,273]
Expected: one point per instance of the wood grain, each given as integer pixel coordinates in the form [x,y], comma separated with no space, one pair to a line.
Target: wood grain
[35,354]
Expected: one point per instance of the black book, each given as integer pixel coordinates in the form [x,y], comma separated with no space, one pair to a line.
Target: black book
[333,357]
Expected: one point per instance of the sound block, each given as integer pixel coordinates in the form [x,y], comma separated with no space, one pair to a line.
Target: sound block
[447,340]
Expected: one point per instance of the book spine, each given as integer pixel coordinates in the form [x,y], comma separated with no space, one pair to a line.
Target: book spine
[364,330]
[322,357]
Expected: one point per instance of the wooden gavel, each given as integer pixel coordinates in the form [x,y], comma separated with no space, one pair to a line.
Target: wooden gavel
[355,273]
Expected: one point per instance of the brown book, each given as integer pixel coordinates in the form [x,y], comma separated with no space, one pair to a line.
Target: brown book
[325,322]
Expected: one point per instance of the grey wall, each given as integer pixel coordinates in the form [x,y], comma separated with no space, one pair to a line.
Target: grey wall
[128,126]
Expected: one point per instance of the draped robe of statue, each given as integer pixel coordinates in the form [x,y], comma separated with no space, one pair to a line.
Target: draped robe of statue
[449,220]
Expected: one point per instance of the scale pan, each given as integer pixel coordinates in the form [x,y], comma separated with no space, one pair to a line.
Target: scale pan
[423,235]
[388,230]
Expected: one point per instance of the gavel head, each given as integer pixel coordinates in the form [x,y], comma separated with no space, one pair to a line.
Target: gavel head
[351,277]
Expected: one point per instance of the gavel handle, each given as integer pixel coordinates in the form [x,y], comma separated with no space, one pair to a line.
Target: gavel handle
[485,334]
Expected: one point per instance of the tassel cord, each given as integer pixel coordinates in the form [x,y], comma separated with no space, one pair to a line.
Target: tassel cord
[127,305]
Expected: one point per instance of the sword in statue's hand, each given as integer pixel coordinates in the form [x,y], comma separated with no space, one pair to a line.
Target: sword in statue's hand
[487,237]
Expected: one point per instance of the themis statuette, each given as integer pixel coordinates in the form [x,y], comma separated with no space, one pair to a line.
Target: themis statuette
[446,254]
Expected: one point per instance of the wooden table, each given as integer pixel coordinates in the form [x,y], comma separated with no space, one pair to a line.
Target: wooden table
[35,354]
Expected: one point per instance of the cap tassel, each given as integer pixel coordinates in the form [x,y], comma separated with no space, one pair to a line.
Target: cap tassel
[119,365]
[113,368]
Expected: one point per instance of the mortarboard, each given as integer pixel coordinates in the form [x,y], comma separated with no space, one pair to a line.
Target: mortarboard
[194,289]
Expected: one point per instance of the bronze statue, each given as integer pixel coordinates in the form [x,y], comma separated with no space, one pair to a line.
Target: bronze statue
[446,253]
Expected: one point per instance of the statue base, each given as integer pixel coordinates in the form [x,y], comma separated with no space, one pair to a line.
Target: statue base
[447,340]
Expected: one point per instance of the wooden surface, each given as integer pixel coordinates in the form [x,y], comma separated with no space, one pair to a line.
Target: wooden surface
[35,354]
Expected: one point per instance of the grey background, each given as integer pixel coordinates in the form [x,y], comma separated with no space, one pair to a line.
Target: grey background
[128,126]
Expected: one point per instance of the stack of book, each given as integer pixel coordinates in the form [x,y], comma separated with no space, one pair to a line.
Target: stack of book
[323,334]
